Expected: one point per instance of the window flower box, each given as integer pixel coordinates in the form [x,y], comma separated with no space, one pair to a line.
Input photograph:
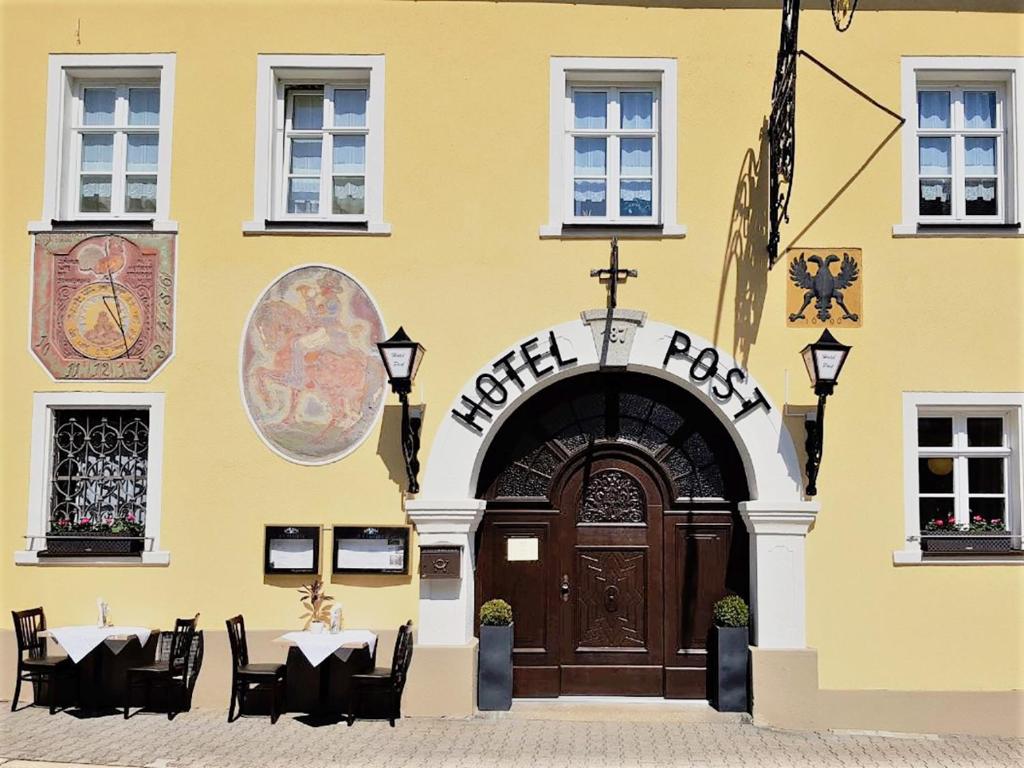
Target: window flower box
[119,536]
[979,535]
[974,542]
[72,546]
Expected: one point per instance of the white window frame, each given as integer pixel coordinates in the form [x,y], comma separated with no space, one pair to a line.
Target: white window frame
[586,73]
[68,75]
[958,73]
[1009,406]
[43,406]
[275,73]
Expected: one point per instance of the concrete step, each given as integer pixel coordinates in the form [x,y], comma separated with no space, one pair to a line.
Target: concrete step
[617,709]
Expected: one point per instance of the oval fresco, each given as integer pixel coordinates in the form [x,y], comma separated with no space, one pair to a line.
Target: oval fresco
[312,378]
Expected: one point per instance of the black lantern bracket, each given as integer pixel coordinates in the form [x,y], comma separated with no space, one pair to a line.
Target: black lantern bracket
[412,423]
[401,357]
[824,360]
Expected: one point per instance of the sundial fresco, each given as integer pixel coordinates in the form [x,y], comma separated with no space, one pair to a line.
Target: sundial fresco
[103,305]
[312,379]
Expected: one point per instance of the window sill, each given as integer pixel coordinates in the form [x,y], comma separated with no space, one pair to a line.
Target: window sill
[604,231]
[152,558]
[902,557]
[957,230]
[276,227]
[103,226]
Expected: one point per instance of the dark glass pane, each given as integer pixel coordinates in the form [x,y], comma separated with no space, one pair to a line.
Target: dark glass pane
[985,475]
[992,511]
[982,432]
[935,475]
[936,509]
[517,480]
[935,431]
[545,461]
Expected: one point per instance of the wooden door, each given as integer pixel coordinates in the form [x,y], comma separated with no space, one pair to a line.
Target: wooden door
[610,590]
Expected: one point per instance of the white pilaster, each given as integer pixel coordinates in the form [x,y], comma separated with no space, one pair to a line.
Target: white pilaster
[778,532]
[446,605]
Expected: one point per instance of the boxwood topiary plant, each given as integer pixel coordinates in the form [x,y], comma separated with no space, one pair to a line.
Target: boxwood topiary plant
[496,613]
[732,611]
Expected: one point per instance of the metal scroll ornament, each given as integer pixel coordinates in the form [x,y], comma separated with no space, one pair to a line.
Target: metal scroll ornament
[612,496]
[782,124]
[782,127]
[842,13]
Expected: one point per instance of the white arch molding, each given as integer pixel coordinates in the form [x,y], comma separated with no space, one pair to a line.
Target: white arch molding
[778,518]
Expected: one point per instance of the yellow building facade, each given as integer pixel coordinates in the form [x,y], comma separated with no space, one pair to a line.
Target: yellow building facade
[468,207]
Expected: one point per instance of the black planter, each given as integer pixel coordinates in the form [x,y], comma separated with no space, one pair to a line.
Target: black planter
[494,675]
[977,542]
[73,546]
[728,668]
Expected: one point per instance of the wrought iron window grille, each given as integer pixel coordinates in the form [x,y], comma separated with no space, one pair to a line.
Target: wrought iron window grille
[99,473]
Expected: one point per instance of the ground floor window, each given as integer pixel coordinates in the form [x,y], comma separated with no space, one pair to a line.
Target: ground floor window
[963,473]
[99,471]
[96,467]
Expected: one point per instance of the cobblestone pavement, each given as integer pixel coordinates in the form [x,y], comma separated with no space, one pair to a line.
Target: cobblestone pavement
[202,738]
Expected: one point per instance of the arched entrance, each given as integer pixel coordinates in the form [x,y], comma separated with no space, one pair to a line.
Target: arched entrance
[448,510]
[611,526]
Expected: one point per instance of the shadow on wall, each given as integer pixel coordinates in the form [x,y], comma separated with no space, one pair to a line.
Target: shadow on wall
[746,251]
[389,446]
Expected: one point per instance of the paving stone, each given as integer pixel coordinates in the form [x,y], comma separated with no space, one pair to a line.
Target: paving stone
[202,739]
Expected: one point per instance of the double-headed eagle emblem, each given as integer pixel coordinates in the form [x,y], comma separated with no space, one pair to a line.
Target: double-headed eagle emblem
[823,287]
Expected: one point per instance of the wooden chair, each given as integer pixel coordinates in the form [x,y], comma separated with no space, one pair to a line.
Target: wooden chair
[38,667]
[244,674]
[175,667]
[385,685]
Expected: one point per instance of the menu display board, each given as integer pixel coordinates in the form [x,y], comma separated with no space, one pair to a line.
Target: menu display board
[371,550]
[292,549]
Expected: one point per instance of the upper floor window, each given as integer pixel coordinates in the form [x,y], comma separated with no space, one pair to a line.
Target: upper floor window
[961,139]
[612,147]
[612,139]
[319,153]
[108,140]
[114,143]
[960,165]
[325,153]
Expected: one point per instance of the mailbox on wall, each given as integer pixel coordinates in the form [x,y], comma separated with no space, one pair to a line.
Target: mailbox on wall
[440,562]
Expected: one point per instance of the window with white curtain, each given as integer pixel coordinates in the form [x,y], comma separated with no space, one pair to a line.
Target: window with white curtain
[962,166]
[319,145]
[612,148]
[108,139]
[115,146]
[324,153]
[961,139]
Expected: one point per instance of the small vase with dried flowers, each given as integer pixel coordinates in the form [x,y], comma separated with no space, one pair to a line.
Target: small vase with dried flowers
[316,603]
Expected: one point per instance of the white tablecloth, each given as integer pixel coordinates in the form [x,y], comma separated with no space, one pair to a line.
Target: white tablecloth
[317,646]
[78,641]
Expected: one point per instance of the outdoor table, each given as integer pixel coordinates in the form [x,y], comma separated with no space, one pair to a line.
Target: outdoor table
[320,668]
[103,654]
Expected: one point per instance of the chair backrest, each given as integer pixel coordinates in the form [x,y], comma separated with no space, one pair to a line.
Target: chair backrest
[402,657]
[236,636]
[27,626]
[181,644]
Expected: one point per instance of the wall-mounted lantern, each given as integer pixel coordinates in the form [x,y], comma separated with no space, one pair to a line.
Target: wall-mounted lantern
[402,357]
[824,360]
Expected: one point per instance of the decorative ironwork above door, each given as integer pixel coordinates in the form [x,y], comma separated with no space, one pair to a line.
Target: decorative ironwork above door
[612,496]
[668,424]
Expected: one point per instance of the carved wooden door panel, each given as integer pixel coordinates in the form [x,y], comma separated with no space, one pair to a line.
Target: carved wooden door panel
[610,556]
